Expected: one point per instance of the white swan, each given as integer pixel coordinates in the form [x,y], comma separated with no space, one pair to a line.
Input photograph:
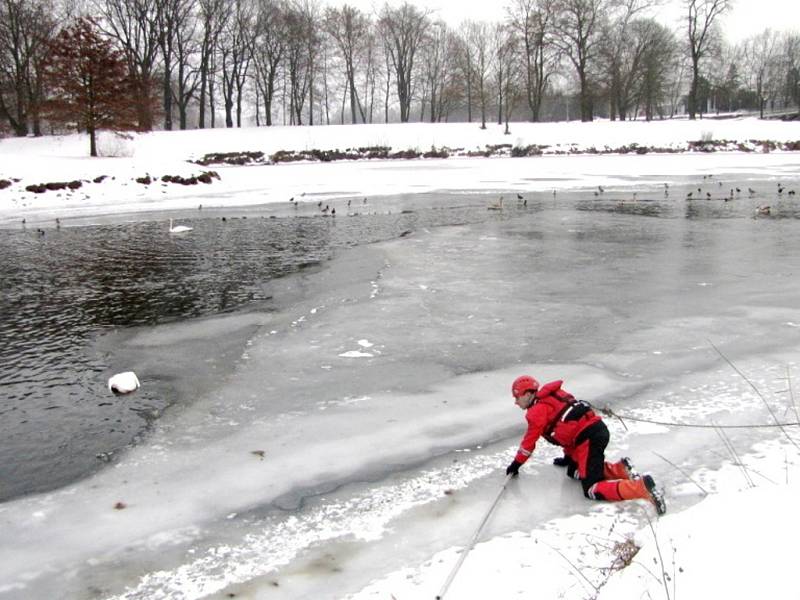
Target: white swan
[178,228]
[123,383]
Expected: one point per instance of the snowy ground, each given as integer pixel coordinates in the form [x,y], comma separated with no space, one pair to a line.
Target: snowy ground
[64,158]
[353,497]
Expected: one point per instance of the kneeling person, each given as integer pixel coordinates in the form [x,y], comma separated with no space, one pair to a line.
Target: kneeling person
[554,413]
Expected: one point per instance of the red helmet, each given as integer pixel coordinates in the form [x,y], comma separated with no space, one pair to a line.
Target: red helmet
[522,384]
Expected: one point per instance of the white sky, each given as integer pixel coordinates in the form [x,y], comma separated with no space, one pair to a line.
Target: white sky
[748,17]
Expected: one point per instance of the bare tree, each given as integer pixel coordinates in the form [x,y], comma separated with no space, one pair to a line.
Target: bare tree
[311,14]
[387,88]
[436,68]
[186,49]
[464,64]
[621,50]
[677,84]
[349,28]
[268,50]
[532,21]
[26,26]
[174,22]
[325,66]
[702,36]
[501,59]
[236,54]
[452,91]
[402,29]
[660,65]
[478,40]
[578,33]
[298,62]
[723,77]
[791,52]
[509,72]
[213,17]
[372,71]
[134,25]
[760,54]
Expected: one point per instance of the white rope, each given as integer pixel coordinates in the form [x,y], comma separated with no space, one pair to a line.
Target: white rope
[474,540]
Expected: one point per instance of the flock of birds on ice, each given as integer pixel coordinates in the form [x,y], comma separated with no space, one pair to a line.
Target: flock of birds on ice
[733,194]
[710,192]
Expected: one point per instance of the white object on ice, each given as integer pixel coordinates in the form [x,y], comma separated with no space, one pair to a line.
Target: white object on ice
[355,354]
[123,383]
[178,228]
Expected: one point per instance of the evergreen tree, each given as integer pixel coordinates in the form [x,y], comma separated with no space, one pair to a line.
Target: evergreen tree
[88,83]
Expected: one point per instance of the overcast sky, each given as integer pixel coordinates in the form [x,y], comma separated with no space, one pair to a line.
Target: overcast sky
[748,17]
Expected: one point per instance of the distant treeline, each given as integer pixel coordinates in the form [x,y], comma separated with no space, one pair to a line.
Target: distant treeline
[187,63]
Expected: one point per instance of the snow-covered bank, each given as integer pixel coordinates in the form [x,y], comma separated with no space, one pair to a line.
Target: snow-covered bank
[49,159]
[734,543]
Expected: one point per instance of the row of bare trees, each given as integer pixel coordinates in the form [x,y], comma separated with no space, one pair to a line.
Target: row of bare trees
[301,62]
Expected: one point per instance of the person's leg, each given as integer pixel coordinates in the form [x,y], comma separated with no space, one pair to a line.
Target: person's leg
[590,455]
[622,469]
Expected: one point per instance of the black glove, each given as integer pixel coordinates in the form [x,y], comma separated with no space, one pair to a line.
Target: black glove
[561,461]
[513,468]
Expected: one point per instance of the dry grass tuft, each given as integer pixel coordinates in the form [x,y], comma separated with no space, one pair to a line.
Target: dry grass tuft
[624,553]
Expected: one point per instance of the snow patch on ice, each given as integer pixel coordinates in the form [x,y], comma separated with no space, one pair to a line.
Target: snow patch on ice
[346,401]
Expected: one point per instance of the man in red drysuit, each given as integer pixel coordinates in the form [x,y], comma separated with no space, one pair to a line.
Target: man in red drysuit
[554,414]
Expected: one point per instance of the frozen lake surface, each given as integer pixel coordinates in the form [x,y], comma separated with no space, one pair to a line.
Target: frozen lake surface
[327,425]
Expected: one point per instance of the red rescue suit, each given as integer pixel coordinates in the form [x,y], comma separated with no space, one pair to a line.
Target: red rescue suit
[573,425]
[556,415]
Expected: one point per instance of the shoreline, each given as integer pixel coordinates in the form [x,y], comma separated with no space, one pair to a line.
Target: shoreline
[547,156]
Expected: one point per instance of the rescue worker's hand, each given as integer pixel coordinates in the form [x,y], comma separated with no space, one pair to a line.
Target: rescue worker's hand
[561,461]
[513,468]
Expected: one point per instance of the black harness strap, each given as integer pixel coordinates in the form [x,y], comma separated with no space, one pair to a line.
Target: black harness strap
[571,411]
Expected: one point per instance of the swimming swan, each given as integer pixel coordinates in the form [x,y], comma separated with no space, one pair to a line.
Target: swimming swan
[123,383]
[178,228]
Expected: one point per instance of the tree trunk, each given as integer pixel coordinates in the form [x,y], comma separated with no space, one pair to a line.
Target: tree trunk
[268,102]
[229,111]
[92,142]
[167,96]
[20,124]
[239,108]
[351,83]
[201,119]
[211,104]
[469,99]
[587,109]
[693,89]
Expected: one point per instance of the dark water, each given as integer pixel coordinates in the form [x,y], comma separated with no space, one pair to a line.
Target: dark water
[60,290]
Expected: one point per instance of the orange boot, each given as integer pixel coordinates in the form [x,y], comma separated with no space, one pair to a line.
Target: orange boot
[645,489]
[623,469]
[629,489]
